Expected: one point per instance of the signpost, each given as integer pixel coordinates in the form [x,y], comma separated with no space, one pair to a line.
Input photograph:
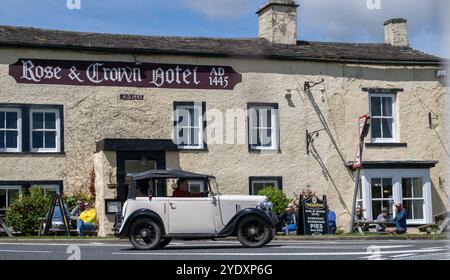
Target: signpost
[315,215]
[364,125]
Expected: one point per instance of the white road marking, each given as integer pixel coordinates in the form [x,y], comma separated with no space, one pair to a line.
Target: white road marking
[344,247]
[66,244]
[403,255]
[276,254]
[24,251]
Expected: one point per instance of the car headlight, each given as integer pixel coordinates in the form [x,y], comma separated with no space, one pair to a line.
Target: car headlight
[266,205]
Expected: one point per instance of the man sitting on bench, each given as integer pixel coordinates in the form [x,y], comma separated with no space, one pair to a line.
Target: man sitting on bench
[399,220]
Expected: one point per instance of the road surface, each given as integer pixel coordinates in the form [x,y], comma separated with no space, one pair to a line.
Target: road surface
[228,250]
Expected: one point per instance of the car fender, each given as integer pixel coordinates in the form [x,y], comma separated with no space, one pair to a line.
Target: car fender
[231,227]
[140,213]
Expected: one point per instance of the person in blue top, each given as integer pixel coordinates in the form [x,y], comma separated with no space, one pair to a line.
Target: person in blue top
[331,221]
[399,220]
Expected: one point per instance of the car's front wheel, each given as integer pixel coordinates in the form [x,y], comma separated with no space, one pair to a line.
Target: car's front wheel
[253,232]
[145,234]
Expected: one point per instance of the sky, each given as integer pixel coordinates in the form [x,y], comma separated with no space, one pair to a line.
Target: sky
[318,20]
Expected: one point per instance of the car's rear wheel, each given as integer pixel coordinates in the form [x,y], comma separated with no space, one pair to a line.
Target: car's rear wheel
[145,234]
[253,232]
[164,242]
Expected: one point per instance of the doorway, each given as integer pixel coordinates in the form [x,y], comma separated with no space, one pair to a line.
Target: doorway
[132,162]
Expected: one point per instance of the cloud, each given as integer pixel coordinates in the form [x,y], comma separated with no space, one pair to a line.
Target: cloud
[222,9]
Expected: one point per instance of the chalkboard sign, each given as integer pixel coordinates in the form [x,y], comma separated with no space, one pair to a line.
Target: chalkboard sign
[315,215]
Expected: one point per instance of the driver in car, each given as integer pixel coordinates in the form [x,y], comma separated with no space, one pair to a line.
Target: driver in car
[182,190]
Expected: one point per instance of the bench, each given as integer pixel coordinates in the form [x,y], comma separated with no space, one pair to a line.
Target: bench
[358,226]
[56,231]
[440,224]
[5,229]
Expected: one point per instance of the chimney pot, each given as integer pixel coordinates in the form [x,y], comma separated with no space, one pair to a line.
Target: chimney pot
[396,33]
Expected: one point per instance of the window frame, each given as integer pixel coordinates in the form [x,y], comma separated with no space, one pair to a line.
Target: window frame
[57,129]
[394,138]
[19,129]
[199,182]
[201,106]
[265,180]
[47,187]
[397,175]
[10,187]
[413,198]
[275,121]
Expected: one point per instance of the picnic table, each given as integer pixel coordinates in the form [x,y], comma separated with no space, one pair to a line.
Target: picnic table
[359,225]
[5,228]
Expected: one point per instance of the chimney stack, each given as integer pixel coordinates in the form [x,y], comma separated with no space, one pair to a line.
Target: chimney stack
[278,22]
[395,32]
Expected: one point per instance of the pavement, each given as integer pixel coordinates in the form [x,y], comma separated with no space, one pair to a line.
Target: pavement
[227,249]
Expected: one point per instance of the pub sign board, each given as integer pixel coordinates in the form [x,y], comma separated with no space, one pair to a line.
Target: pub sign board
[123,74]
[315,215]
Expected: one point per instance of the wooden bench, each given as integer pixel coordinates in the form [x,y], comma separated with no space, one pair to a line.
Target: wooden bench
[5,229]
[360,224]
[55,231]
[440,224]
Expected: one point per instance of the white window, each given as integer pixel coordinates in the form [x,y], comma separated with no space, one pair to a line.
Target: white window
[382,195]
[49,189]
[263,127]
[45,130]
[411,187]
[7,196]
[413,198]
[10,130]
[383,123]
[257,184]
[188,127]
[196,186]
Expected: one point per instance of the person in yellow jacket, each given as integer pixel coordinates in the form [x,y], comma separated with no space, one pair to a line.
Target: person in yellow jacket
[87,219]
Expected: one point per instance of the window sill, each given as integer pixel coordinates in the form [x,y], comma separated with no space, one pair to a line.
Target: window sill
[386,145]
[32,153]
[193,150]
[256,151]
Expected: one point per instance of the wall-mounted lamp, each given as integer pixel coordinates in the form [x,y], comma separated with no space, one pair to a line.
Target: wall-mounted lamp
[310,139]
[288,97]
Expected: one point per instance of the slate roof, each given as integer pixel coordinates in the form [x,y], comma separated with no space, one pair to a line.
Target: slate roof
[258,48]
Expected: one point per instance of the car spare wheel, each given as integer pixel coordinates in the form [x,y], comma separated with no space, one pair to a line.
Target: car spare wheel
[145,234]
[164,242]
[253,232]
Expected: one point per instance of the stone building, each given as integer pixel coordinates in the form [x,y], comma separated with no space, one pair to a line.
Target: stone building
[86,108]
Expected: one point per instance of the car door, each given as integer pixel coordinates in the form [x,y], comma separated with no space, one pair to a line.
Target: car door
[191,215]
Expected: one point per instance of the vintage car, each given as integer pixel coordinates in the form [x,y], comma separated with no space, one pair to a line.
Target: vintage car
[151,221]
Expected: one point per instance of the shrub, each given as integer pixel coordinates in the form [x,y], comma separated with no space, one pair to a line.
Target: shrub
[277,197]
[25,212]
[71,200]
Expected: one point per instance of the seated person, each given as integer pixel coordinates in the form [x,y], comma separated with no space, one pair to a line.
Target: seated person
[331,221]
[87,219]
[359,217]
[182,190]
[289,219]
[399,220]
[75,213]
[383,217]
[142,188]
